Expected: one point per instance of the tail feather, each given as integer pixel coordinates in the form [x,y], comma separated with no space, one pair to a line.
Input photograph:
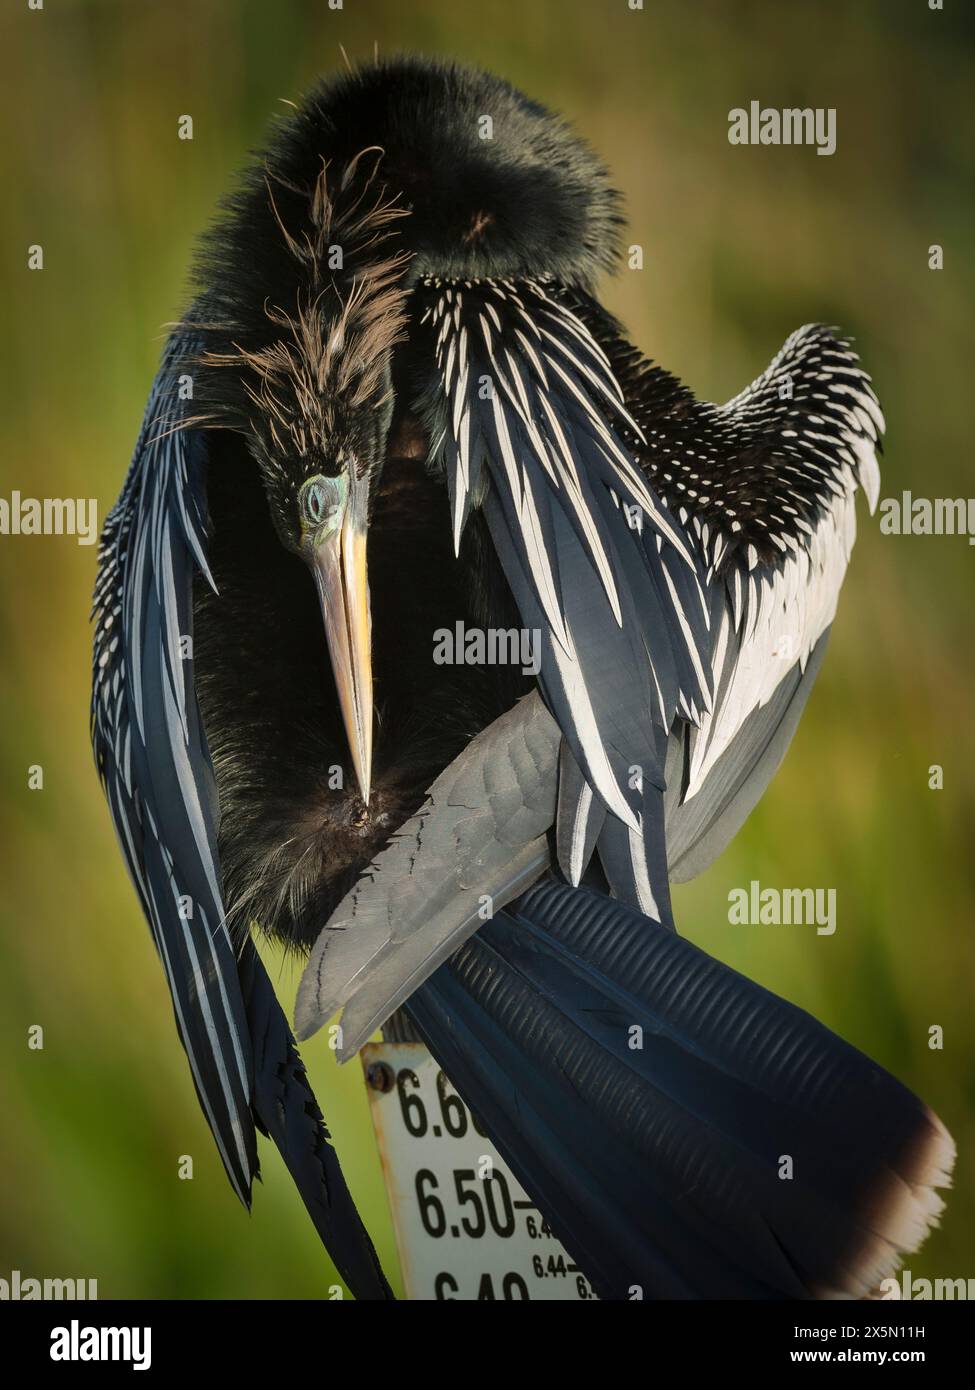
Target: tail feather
[286,1110]
[685,1132]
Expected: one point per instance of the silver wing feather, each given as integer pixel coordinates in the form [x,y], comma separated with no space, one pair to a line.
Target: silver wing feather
[685,649]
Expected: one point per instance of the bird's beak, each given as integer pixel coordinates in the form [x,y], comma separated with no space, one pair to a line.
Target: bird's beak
[339,566]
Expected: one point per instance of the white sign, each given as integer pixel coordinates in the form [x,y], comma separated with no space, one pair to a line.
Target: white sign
[465,1228]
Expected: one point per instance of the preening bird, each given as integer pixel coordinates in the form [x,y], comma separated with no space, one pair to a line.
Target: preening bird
[394,405]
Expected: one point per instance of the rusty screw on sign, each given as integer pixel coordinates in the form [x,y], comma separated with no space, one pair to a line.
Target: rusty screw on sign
[380,1076]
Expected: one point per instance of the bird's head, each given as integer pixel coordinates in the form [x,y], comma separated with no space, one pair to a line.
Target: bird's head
[398,170]
[310,389]
[318,489]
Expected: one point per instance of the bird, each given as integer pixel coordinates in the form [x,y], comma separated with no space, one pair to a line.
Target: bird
[395,408]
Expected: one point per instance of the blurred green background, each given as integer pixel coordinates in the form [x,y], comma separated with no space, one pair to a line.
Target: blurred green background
[742,245]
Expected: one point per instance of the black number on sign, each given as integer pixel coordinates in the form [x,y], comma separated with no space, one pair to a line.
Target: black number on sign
[452,1109]
[503,1221]
[462,1177]
[431,1208]
[513,1289]
[414,1111]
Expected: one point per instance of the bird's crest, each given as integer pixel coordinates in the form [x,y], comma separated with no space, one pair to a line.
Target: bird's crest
[329,348]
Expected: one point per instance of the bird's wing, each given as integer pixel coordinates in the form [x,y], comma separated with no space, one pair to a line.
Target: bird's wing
[681,564]
[700,827]
[479,839]
[681,561]
[529,421]
[765,487]
[151,753]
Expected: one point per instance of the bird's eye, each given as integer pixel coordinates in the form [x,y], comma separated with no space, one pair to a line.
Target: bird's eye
[319,498]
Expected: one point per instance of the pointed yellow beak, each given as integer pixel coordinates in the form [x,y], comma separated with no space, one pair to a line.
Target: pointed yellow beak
[338,562]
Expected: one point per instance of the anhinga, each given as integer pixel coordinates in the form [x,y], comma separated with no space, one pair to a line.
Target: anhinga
[395,405]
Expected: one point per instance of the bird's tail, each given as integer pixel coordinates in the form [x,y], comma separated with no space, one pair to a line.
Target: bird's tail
[686,1133]
[285,1109]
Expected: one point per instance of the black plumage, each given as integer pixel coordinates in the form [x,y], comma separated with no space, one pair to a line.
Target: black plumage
[394,363]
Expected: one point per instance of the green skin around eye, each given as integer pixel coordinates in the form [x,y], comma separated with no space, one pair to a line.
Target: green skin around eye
[320,503]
